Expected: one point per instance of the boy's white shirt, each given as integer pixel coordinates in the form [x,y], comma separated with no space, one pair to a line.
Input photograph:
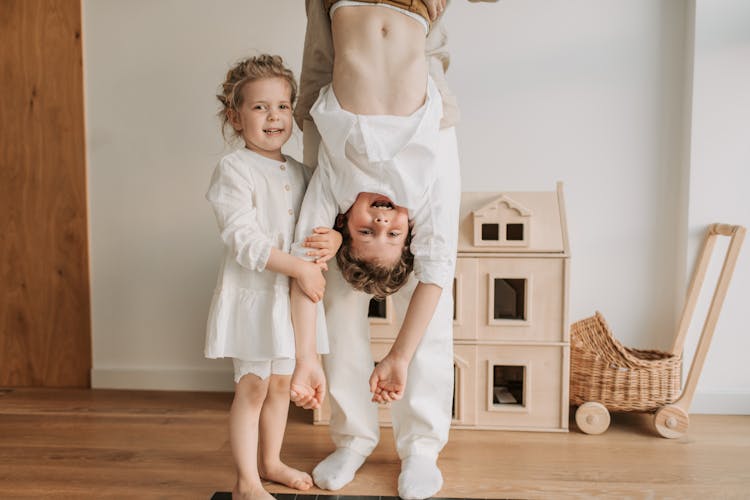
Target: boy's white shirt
[256,201]
[389,155]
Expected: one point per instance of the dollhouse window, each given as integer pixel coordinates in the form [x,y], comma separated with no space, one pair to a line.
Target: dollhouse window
[455,287]
[490,232]
[509,299]
[514,232]
[508,385]
[502,223]
[377,309]
[454,412]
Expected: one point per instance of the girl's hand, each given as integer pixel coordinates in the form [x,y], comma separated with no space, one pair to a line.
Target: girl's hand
[325,241]
[388,380]
[434,8]
[311,281]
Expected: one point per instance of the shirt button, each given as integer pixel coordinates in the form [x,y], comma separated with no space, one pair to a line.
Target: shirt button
[291,212]
[282,167]
[287,187]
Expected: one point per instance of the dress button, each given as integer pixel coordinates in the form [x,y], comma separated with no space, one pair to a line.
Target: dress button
[291,212]
[282,167]
[287,187]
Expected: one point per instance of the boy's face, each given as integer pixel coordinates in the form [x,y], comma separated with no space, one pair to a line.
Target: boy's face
[264,119]
[378,229]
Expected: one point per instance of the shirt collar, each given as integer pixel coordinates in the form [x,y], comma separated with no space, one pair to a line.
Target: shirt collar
[263,160]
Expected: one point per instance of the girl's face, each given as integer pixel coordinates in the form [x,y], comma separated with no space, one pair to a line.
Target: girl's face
[264,119]
[378,228]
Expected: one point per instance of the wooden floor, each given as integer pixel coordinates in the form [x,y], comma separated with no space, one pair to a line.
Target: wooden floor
[128,444]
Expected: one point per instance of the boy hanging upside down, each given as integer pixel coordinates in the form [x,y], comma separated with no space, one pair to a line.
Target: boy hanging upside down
[387,167]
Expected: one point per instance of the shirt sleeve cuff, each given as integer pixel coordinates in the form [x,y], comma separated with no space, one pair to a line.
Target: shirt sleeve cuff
[436,272]
[300,251]
[264,253]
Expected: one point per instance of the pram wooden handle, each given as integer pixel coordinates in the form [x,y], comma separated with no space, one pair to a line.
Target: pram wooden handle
[737,235]
[724,229]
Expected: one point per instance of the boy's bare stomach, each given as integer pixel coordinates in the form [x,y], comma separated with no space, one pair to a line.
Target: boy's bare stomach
[379,63]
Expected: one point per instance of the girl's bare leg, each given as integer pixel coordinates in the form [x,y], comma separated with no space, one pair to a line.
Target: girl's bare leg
[249,394]
[272,426]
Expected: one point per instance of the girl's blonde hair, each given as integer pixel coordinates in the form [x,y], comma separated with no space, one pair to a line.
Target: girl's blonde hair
[245,71]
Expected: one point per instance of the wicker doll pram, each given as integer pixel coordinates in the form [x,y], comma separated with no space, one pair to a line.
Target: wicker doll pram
[607,376]
[622,379]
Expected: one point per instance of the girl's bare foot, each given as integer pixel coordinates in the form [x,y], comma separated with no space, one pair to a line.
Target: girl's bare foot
[283,474]
[250,492]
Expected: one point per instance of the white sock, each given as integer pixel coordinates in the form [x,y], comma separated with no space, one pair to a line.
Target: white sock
[338,468]
[420,478]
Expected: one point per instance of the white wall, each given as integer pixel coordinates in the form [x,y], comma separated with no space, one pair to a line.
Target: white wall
[152,69]
[719,170]
[590,93]
[594,93]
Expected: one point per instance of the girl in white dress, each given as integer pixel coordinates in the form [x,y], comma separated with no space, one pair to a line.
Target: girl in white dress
[256,193]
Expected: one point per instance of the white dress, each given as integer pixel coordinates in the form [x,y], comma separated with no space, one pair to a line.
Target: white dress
[256,201]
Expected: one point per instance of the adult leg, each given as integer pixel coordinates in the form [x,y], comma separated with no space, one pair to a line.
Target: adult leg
[354,418]
[273,418]
[249,394]
[310,144]
[421,420]
[354,421]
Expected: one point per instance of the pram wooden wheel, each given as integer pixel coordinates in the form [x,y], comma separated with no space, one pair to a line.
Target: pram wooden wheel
[592,418]
[671,421]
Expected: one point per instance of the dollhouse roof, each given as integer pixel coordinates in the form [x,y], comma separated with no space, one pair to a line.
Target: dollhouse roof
[491,208]
[546,210]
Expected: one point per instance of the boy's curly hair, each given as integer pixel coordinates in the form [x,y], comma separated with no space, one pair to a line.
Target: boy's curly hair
[374,279]
[245,71]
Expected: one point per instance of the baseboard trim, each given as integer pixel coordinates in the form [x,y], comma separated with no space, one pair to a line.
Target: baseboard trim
[715,402]
[162,379]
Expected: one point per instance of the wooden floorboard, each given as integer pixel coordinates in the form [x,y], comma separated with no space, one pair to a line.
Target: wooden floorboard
[150,444]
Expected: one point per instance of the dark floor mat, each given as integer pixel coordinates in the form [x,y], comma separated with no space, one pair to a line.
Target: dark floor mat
[225,495]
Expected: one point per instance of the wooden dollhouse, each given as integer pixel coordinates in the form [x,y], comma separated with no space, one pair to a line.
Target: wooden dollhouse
[510,318]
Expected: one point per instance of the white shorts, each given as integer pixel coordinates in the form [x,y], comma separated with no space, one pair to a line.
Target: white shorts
[262,369]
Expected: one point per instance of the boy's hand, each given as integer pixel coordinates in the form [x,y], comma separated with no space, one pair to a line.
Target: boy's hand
[308,386]
[325,241]
[434,8]
[311,281]
[388,380]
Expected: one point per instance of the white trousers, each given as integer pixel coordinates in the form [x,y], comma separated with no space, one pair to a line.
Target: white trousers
[421,419]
